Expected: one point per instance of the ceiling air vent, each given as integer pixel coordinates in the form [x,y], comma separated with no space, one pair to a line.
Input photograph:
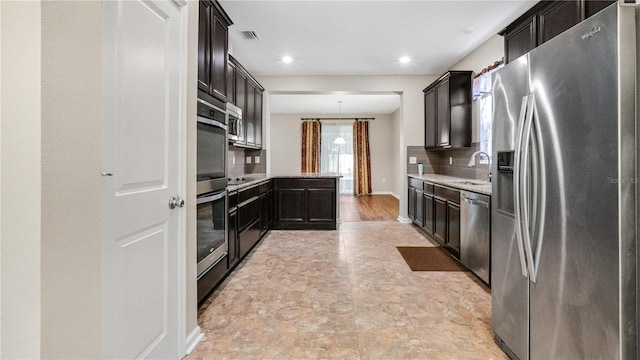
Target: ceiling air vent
[250,35]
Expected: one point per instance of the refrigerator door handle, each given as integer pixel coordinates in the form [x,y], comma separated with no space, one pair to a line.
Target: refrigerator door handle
[526,190]
[539,198]
[517,174]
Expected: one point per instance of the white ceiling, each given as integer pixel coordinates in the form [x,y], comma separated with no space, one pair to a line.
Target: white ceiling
[360,37]
[327,37]
[327,104]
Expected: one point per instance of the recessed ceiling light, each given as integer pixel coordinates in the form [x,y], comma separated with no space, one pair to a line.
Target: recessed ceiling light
[287,59]
[405,59]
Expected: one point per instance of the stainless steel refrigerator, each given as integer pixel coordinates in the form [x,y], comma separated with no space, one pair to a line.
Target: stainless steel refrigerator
[564,218]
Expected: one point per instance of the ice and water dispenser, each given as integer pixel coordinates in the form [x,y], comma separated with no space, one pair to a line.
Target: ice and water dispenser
[504,197]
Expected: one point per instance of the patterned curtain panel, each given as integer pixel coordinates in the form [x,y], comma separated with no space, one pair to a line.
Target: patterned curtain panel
[362,158]
[311,131]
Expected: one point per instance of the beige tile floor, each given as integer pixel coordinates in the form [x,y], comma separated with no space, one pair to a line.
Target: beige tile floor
[345,294]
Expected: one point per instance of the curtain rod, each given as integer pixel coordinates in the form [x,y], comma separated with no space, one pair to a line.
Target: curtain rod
[351,118]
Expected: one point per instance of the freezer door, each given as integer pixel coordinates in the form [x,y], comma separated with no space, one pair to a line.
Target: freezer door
[509,288]
[574,301]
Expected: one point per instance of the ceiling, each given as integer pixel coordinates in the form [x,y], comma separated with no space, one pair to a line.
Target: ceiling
[360,37]
[363,37]
[328,104]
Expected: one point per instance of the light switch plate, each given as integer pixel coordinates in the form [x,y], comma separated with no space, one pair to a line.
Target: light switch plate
[256,159]
[413,160]
[233,160]
[450,160]
[248,159]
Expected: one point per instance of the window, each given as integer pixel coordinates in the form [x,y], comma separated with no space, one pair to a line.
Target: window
[336,153]
[482,93]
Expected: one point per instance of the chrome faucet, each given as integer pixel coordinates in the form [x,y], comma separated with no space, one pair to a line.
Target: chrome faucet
[472,161]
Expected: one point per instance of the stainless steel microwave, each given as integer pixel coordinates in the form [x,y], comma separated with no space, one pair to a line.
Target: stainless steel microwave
[234,124]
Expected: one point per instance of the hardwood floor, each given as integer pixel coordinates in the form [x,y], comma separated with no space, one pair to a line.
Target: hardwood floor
[368,208]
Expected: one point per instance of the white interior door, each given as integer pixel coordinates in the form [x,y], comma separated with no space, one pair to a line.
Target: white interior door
[142,166]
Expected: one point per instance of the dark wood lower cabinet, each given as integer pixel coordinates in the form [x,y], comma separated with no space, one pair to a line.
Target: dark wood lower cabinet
[453,228]
[305,204]
[233,255]
[290,208]
[440,220]
[427,224]
[436,211]
[321,205]
[248,237]
[412,203]
[419,208]
[266,211]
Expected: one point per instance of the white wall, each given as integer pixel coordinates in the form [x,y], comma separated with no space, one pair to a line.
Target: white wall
[21,179]
[285,154]
[0,182]
[398,152]
[192,95]
[50,184]
[70,139]
[383,154]
[286,144]
[411,112]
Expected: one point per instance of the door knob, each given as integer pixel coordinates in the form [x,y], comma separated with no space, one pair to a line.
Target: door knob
[175,201]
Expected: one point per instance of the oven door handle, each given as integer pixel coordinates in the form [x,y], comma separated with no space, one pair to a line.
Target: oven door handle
[213,197]
[204,120]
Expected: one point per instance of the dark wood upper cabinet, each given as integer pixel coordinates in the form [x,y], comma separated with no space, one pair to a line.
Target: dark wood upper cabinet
[430,118]
[447,121]
[220,50]
[558,17]
[213,48]
[520,40]
[258,118]
[249,114]
[592,7]
[231,82]
[443,114]
[204,50]
[248,97]
[544,21]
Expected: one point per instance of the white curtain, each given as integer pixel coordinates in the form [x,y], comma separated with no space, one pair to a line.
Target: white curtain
[336,154]
[482,93]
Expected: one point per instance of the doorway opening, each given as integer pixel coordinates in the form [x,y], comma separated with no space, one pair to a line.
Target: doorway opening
[336,155]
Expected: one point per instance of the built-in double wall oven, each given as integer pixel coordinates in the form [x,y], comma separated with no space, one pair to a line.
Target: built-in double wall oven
[211,186]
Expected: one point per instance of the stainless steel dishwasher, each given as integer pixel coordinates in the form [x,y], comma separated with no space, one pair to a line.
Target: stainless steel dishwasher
[475,233]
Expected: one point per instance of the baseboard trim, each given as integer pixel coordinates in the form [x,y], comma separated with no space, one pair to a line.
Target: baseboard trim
[385,193]
[193,339]
[404,220]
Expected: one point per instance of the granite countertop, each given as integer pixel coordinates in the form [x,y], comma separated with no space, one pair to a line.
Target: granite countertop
[479,186]
[254,179]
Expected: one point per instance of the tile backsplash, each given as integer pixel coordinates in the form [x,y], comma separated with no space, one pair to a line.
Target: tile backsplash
[438,162]
[429,159]
[258,161]
[245,161]
[235,161]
